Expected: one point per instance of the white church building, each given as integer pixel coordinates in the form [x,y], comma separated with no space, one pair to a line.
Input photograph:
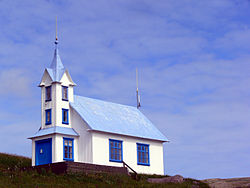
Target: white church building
[87,130]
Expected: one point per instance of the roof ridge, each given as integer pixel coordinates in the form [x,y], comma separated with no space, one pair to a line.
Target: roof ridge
[107,101]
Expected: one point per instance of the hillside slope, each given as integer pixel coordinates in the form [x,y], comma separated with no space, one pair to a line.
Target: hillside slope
[12,176]
[228,183]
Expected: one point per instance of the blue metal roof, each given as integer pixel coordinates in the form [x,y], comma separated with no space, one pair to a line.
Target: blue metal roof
[56,68]
[55,129]
[115,118]
[55,75]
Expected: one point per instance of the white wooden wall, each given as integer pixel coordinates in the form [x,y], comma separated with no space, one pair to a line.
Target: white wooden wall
[56,104]
[100,145]
[85,139]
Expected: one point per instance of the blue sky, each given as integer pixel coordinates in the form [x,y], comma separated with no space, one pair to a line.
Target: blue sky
[194,72]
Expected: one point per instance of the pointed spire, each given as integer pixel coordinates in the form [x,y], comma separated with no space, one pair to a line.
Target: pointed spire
[56,65]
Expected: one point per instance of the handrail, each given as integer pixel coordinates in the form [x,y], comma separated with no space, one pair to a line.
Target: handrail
[126,165]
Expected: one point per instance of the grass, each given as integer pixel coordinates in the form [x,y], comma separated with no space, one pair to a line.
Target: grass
[11,175]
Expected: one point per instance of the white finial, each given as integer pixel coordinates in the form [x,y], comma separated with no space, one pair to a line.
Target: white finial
[56,32]
[137,91]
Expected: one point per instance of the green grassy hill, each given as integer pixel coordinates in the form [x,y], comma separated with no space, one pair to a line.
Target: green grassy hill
[11,175]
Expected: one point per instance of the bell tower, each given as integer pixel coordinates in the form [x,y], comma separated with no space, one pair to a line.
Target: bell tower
[56,93]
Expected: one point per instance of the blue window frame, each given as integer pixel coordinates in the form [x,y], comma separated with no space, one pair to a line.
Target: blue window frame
[115,150]
[48,117]
[64,93]
[48,93]
[143,154]
[68,149]
[65,116]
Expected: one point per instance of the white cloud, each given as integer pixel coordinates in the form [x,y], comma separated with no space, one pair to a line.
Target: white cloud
[15,136]
[237,39]
[15,82]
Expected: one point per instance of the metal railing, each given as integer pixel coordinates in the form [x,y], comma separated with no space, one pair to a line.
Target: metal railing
[126,165]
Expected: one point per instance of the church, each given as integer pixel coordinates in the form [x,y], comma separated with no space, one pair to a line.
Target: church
[87,130]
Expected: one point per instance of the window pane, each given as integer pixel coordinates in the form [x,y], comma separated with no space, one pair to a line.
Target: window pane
[139,147]
[65,142]
[65,116]
[48,93]
[120,154]
[146,161]
[143,153]
[139,157]
[48,116]
[68,149]
[70,142]
[65,151]
[64,92]
[115,150]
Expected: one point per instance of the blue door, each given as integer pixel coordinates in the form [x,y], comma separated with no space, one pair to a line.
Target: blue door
[44,151]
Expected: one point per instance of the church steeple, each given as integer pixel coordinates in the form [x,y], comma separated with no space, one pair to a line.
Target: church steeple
[56,68]
[57,92]
[56,65]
